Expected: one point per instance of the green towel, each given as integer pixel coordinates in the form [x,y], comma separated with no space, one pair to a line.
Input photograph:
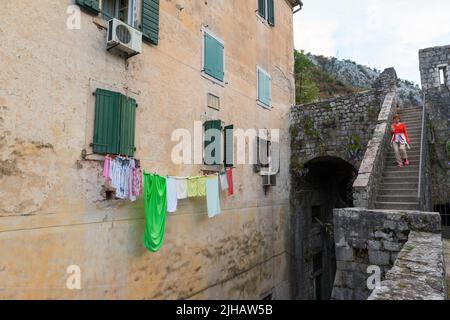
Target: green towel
[155,205]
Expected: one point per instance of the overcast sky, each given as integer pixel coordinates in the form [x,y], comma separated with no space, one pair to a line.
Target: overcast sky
[377,33]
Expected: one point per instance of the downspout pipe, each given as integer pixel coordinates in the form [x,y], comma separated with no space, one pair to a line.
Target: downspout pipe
[299,8]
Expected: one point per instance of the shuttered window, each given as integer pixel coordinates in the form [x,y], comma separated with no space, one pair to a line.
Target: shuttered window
[229,146]
[213,146]
[213,57]
[266,9]
[264,92]
[92,6]
[150,21]
[271,12]
[262,8]
[114,126]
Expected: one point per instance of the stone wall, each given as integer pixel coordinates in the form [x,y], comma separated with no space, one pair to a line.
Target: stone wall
[437,97]
[369,175]
[366,238]
[418,272]
[339,127]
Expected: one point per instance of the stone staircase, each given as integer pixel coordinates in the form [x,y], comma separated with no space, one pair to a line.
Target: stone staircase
[399,185]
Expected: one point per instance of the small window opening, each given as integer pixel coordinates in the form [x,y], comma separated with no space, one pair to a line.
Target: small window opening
[442,75]
[110,195]
[213,101]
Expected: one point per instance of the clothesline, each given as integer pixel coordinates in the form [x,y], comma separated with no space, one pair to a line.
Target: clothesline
[161,194]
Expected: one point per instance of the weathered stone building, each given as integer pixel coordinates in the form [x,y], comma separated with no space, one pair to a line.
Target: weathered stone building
[345,247]
[329,141]
[54,211]
[434,70]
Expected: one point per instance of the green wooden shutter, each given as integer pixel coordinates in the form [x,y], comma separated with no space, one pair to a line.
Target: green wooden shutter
[150,21]
[262,8]
[92,6]
[213,57]
[260,85]
[107,122]
[267,94]
[271,12]
[264,94]
[127,126]
[212,142]
[229,146]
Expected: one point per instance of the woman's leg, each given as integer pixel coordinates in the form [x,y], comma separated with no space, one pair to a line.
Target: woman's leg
[398,156]
[403,153]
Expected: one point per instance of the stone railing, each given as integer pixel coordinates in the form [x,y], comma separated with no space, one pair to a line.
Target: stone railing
[405,248]
[418,272]
[370,172]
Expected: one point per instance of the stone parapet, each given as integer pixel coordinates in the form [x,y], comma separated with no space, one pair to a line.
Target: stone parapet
[373,238]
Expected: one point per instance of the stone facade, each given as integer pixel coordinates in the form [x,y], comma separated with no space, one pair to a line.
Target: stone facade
[437,97]
[376,238]
[52,210]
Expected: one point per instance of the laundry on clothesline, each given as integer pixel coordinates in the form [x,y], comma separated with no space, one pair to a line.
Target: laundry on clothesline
[172,199]
[124,175]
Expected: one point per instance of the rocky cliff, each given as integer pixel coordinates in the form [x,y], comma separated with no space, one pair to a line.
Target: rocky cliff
[362,77]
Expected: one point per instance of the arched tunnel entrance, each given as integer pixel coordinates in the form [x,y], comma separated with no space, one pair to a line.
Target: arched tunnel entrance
[325,183]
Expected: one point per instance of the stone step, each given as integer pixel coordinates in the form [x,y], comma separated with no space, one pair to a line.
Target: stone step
[400,173]
[392,165]
[398,185]
[397,205]
[411,157]
[406,192]
[402,179]
[398,198]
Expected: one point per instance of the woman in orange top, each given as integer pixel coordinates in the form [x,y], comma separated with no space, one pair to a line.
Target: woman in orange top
[399,141]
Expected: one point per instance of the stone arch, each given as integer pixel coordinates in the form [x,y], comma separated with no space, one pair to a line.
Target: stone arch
[325,184]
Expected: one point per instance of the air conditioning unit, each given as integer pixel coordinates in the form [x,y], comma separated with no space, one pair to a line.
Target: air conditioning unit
[124,38]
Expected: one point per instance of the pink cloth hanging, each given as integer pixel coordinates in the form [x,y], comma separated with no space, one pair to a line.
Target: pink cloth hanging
[106,167]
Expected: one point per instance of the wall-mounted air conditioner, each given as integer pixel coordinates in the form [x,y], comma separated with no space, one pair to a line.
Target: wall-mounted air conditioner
[124,38]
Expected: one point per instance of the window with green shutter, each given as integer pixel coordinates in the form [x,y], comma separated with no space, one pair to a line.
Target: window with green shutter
[262,8]
[213,57]
[114,124]
[92,6]
[264,92]
[229,146]
[213,146]
[150,21]
[266,9]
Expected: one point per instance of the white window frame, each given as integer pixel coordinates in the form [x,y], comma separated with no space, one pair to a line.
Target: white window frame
[132,5]
[203,73]
[258,101]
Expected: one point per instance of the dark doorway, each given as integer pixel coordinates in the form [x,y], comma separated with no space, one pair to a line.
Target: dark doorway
[326,186]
